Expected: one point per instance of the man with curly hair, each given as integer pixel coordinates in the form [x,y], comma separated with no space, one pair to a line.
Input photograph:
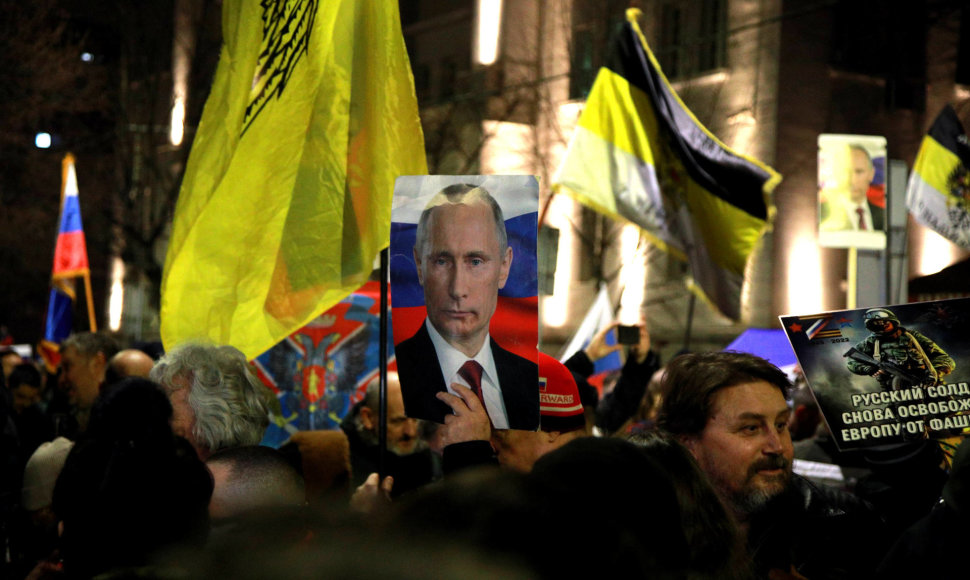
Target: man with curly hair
[217,401]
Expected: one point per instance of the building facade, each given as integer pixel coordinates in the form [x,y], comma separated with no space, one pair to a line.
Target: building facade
[765,76]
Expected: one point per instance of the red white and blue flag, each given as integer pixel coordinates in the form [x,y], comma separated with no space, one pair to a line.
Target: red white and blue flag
[70,261]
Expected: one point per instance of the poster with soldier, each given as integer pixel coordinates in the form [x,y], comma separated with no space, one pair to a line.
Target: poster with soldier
[889,374]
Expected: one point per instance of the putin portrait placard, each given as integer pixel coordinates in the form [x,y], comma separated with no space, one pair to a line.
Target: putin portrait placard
[852,191]
[464,288]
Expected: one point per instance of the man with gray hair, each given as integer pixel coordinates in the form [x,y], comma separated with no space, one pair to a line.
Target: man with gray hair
[463,259]
[217,401]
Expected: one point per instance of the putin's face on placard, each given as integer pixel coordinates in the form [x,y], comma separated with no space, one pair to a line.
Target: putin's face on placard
[862,175]
[461,268]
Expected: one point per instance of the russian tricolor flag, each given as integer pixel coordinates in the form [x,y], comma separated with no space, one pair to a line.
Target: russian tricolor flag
[515,324]
[70,261]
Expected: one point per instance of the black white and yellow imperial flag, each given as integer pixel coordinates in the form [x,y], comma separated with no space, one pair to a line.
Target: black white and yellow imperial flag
[640,155]
[938,195]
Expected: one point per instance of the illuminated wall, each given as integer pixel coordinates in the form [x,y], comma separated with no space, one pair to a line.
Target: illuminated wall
[775,93]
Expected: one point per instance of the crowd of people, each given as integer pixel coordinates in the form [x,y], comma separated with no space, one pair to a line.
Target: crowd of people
[121,465]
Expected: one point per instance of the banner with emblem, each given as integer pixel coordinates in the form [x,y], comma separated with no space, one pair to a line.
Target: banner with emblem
[938,195]
[322,369]
[888,375]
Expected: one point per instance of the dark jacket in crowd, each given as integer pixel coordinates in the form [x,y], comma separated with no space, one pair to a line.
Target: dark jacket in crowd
[904,482]
[932,547]
[820,532]
[459,456]
[33,428]
[623,401]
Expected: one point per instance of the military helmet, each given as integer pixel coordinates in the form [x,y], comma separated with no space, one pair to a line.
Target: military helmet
[881,321]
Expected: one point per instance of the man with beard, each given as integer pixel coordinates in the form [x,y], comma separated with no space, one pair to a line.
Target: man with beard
[730,410]
[409,461]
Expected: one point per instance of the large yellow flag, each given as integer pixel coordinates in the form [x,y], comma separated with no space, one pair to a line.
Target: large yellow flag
[287,194]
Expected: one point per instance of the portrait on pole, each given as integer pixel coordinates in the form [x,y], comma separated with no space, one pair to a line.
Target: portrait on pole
[852,191]
[464,287]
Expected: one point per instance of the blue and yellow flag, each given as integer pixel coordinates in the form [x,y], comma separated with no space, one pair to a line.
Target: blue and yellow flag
[938,195]
[286,199]
[640,155]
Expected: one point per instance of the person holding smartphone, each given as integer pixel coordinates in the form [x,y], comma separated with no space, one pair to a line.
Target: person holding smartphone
[641,363]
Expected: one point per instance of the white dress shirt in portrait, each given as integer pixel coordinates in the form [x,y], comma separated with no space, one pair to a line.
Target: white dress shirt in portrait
[857,212]
[451,359]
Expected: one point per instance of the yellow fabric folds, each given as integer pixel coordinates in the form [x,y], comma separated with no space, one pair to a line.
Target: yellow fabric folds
[934,164]
[286,198]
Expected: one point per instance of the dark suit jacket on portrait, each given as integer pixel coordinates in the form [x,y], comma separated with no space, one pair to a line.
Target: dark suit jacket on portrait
[421,378]
[878,216]
[877,213]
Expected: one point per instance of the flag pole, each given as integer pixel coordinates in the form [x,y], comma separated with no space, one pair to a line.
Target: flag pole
[692,300]
[545,209]
[382,370]
[87,293]
[690,320]
[851,278]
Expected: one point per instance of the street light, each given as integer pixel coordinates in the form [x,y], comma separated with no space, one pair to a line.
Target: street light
[177,128]
[489,29]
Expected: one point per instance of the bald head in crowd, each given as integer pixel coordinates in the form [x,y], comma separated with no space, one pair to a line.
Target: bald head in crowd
[129,362]
[402,431]
[250,478]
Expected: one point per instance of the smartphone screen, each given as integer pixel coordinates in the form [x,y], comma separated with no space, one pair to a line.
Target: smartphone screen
[627,334]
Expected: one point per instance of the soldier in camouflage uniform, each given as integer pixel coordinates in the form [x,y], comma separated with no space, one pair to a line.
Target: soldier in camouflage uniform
[907,349]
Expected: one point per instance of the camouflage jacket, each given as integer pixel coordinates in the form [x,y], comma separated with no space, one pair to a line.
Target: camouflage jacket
[902,351]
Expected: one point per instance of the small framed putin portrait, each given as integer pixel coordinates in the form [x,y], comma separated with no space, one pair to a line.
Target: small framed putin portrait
[852,191]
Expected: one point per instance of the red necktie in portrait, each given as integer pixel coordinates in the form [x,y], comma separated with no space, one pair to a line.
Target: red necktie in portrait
[471,371]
